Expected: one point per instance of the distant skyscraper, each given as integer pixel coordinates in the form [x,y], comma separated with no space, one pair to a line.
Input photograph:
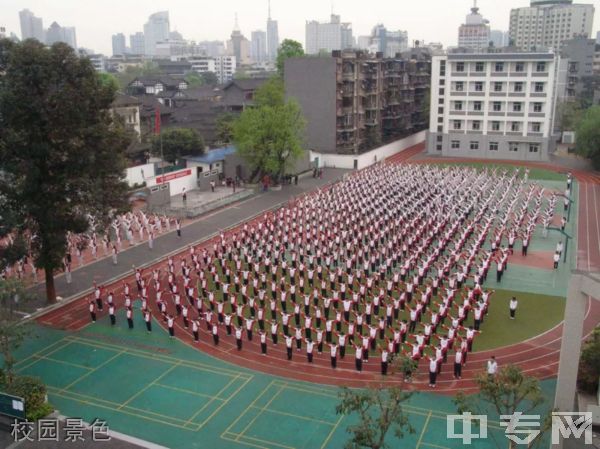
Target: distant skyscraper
[212,48]
[475,32]
[119,46]
[2,32]
[272,37]
[32,27]
[387,42]
[56,33]
[157,29]
[598,37]
[258,49]
[548,23]
[137,43]
[238,45]
[499,38]
[334,35]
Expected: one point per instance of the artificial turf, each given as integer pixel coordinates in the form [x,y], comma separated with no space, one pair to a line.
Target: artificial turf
[538,174]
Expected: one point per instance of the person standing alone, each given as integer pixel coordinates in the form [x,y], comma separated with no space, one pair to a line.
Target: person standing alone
[513,307]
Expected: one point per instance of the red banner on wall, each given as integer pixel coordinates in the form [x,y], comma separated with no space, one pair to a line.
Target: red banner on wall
[172,176]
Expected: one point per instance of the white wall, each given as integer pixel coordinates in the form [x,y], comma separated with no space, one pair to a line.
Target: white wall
[187,179]
[134,175]
[370,157]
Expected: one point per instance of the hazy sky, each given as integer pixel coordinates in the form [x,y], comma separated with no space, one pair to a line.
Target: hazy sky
[96,21]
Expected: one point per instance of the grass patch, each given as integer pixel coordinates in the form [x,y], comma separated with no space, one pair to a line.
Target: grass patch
[534,172]
[535,315]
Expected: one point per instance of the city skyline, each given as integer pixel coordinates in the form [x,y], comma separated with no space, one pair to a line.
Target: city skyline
[98,22]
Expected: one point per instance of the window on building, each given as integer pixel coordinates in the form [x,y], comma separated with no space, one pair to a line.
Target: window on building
[517,106]
[460,66]
[440,101]
[476,125]
[519,87]
[513,146]
[440,119]
[520,67]
[499,67]
[455,144]
[536,127]
[497,106]
[440,129]
[457,124]
[515,127]
[540,67]
[442,82]
[479,66]
[459,86]
[474,145]
[495,126]
[440,138]
[442,68]
[458,105]
[497,87]
[441,91]
[438,147]
[539,87]
[534,148]
[478,86]
[493,146]
[477,106]
[440,110]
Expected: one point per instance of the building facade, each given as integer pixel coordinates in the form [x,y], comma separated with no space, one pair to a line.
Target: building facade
[499,38]
[475,32]
[546,24]
[494,105]
[354,101]
[137,43]
[327,37]
[119,45]
[258,49]
[56,33]
[580,66]
[272,37]
[32,27]
[157,29]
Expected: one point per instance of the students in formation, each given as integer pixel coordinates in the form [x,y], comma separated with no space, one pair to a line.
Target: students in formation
[392,260]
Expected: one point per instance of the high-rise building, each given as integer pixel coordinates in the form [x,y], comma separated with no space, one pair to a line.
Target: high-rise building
[157,29]
[238,45]
[499,38]
[225,67]
[496,105]
[32,27]
[137,43]
[56,33]
[212,48]
[579,52]
[258,51]
[272,37]
[475,32]
[333,35]
[119,45]
[2,32]
[387,42]
[546,24]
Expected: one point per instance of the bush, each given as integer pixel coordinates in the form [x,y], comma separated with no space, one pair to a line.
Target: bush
[33,390]
[589,364]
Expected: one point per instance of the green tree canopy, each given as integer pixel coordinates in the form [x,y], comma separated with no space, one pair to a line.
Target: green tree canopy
[210,78]
[589,364]
[379,410]
[569,114]
[194,79]
[587,135]
[224,128]
[289,48]
[178,142]
[61,150]
[269,135]
[132,72]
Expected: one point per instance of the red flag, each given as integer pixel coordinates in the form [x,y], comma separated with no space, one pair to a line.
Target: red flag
[157,121]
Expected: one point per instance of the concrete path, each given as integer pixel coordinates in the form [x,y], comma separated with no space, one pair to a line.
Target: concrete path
[199,230]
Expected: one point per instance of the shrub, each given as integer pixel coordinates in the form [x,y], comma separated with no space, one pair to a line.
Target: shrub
[589,364]
[33,390]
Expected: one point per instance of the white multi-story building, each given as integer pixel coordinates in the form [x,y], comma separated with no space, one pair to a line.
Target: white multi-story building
[547,24]
[32,27]
[258,47]
[327,37]
[494,105]
[203,64]
[225,67]
[119,45]
[157,29]
[475,32]
[272,37]
[499,38]
[137,43]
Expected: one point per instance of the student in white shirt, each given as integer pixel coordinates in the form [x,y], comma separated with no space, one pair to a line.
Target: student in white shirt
[513,307]
[492,367]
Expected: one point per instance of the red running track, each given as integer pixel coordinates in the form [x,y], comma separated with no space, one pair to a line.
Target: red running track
[537,356]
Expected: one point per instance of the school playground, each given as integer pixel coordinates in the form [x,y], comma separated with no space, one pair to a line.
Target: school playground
[169,393]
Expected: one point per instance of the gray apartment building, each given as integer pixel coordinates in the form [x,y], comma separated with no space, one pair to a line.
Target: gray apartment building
[354,101]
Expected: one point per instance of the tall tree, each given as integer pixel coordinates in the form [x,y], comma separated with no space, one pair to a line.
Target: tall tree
[269,134]
[177,142]
[379,411]
[210,78]
[289,48]
[61,151]
[587,136]
[194,79]
[508,392]
[569,114]
[224,128]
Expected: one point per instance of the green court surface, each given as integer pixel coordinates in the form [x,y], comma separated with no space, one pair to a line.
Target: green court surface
[163,391]
[537,174]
